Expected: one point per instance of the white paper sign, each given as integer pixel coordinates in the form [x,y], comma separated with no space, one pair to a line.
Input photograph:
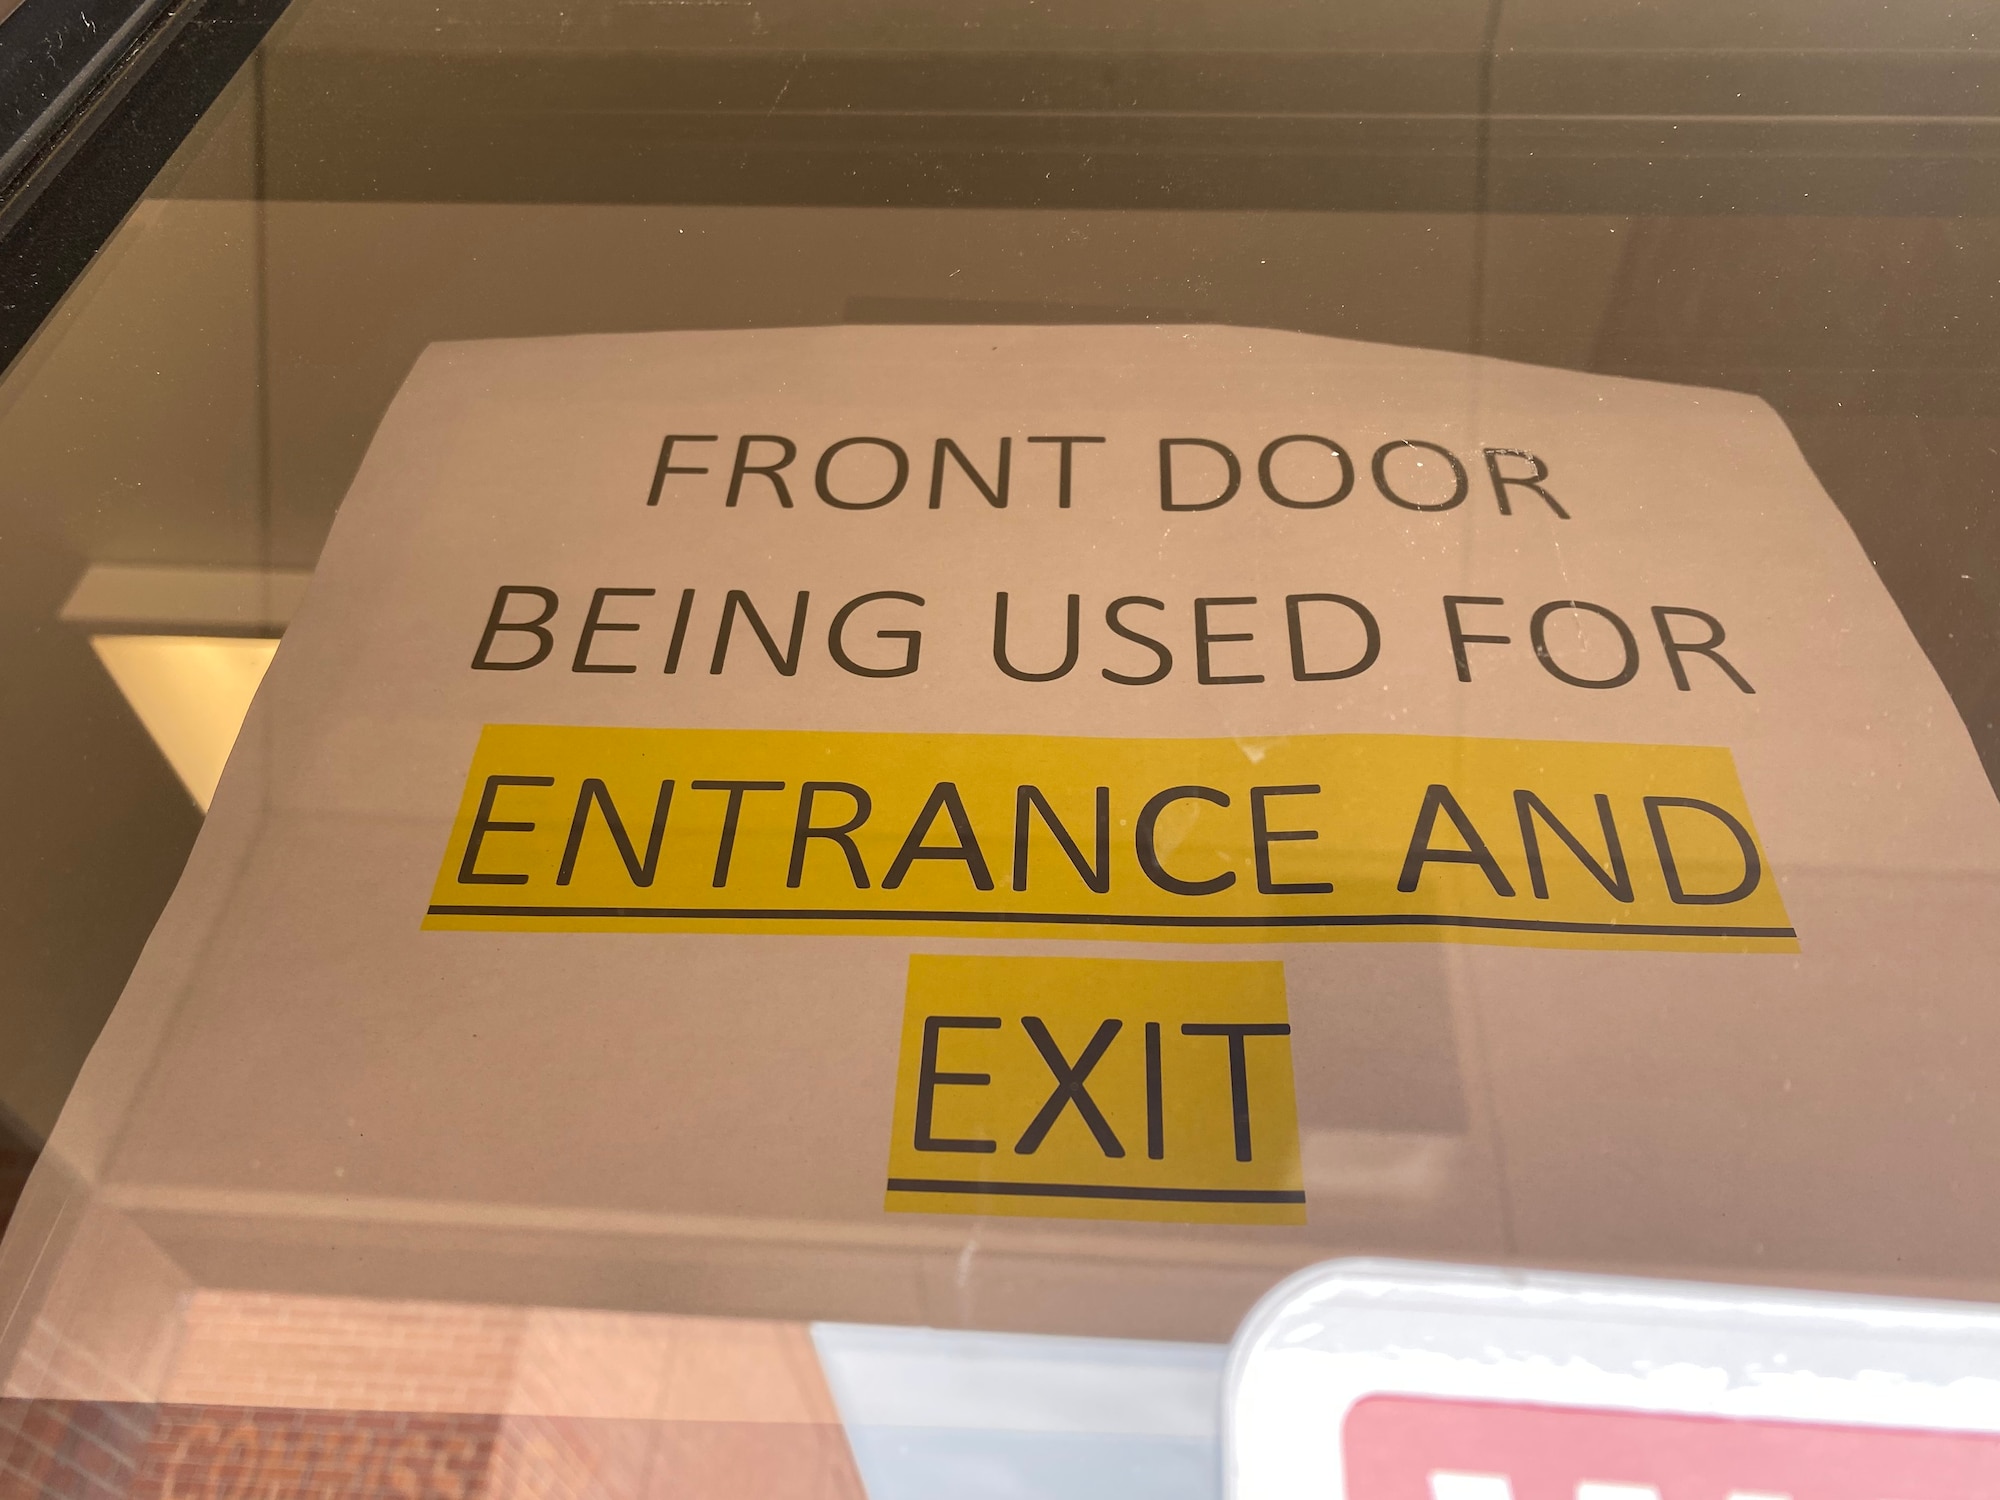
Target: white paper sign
[732,801]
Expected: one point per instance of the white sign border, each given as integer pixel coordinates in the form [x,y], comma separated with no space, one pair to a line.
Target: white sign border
[1344,1330]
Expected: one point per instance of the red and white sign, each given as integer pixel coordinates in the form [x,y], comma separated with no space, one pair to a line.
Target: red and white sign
[1420,1448]
[1367,1380]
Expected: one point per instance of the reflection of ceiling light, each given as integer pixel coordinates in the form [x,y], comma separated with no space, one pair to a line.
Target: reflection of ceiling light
[187,647]
[191,692]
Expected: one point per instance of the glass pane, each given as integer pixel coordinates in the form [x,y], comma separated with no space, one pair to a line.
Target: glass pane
[1496,496]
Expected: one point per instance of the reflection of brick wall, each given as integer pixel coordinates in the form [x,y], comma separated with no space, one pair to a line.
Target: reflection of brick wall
[71,1450]
[268,1396]
[268,1349]
[86,1450]
[236,1453]
[100,1450]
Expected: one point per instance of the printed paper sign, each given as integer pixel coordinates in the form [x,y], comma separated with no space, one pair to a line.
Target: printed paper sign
[1300,837]
[1096,1088]
[669,711]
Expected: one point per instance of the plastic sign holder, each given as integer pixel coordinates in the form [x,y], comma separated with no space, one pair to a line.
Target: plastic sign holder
[1385,1380]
